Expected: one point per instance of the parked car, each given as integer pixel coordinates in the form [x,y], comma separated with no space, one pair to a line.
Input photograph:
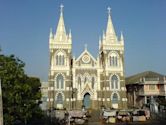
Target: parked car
[109,116]
[124,116]
[77,116]
[141,115]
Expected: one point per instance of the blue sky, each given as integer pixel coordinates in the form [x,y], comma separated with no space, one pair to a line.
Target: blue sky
[25,25]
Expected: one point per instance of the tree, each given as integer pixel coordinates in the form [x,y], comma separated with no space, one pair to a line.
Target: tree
[21,94]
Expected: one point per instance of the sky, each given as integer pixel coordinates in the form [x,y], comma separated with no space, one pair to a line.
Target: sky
[25,26]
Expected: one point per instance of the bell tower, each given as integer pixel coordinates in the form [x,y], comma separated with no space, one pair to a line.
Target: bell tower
[60,49]
[112,63]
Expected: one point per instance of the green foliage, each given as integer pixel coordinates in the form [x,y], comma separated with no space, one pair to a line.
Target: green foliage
[21,94]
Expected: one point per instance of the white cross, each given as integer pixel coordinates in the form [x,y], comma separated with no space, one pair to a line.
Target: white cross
[109,10]
[61,8]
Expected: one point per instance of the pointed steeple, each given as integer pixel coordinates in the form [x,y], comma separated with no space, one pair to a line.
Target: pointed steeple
[60,35]
[100,42]
[103,37]
[70,37]
[103,34]
[121,38]
[110,32]
[70,34]
[51,37]
[51,33]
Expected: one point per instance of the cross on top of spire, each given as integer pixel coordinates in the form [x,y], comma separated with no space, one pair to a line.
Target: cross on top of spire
[109,10]
[61,8]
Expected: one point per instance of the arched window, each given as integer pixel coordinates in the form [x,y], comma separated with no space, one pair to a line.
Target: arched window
[60,82]
[60,59]
[113,59]
[59,98]
[114,98]
[114,82]
[93,82]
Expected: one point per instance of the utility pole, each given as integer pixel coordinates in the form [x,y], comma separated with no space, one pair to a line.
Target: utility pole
[1,106]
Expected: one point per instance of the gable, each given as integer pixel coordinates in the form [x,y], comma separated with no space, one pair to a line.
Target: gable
[86,59]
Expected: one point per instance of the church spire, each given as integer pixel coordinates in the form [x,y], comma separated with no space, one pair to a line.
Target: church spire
[60,35]
[110,32]
[51,33]
[121,36]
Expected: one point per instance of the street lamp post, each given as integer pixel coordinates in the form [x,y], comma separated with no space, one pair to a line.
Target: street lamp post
[1,106]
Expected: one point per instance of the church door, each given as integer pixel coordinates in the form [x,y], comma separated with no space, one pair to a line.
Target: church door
[87,100]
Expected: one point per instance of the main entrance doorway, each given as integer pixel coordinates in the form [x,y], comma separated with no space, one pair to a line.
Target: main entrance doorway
[87,101]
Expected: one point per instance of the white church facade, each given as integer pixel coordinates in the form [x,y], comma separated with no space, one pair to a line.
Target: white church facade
[85,80]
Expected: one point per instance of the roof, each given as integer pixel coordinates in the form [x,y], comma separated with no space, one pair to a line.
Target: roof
[147,74]
[84,52]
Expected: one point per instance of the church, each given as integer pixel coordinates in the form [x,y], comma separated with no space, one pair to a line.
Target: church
[86,81]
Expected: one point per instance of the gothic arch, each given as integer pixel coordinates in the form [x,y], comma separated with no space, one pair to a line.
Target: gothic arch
[113,59]
[57,97]
[113,85]
[60,51]
[60,57]
[87,91]
[115,97]
[55,80]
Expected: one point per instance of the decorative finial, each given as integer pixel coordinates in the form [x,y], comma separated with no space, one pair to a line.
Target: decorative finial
[103,34]
[61,8]
[85,46]
[70,33]
[51,33]
[109,10]
[121,36]
[99,40]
